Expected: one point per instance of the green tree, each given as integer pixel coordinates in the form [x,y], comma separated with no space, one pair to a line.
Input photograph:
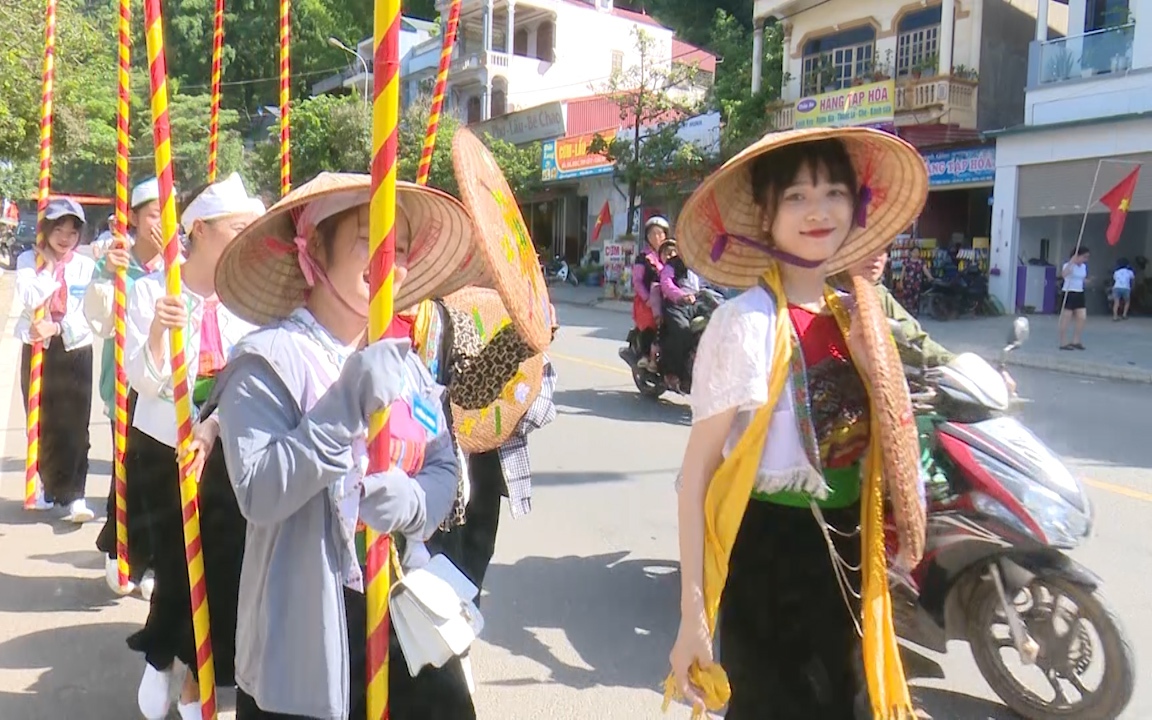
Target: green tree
[655,99]
[746,115]
[692,19]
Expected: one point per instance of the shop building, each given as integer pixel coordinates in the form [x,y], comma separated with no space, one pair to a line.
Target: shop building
[1088,120]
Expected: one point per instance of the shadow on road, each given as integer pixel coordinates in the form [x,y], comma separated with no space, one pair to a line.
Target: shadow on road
[627,405]
[946,704]
[89,673]
[96,466]
[22,594]
[79,559]
[619,615]
[580,477]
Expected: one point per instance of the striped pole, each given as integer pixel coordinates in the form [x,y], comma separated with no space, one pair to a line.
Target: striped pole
[214,113]
[438,95]
[285,87]
[120,292]
[32,487]
[194,554]
[382,241]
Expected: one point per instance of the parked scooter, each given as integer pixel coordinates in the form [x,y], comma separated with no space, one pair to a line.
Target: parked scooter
[559,271]
[1002,511]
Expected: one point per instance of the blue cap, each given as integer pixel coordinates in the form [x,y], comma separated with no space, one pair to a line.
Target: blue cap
[64,207]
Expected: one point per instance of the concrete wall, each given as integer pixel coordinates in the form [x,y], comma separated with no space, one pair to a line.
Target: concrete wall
[1008,27]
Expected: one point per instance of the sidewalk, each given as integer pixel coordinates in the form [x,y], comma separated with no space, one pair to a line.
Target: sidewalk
[1116,351]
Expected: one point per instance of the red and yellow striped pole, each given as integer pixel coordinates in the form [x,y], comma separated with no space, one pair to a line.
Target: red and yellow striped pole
[285,92]
[438,94]
[32,486]
[214,112]
[120,303]
[194,554]
[381,278]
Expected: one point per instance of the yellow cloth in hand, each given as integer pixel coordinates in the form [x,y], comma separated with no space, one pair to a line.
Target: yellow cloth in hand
[727,498]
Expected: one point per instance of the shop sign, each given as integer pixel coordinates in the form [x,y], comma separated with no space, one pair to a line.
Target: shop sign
[568,158]
[961,167]
[524,126]
[871,104]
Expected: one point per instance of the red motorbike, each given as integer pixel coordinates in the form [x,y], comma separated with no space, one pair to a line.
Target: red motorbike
[1002,511]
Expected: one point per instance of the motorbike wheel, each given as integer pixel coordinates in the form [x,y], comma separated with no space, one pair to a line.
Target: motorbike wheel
[649,385]
[1064,657]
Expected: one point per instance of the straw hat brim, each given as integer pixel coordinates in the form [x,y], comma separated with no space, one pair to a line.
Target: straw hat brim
[487,429]
[893,170]
[262,285]
[510,262]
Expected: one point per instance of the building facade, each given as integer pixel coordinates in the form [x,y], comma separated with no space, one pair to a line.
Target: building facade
[1087,124]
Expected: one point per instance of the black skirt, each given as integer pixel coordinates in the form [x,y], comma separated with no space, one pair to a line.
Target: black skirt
[787,642]
[65,408]
[434,694]
[168,634]
[139,538]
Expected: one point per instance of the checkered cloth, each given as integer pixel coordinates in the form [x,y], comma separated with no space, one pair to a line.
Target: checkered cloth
[514,460]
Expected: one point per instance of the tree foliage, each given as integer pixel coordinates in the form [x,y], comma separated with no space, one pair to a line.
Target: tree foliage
[692,19]
[746,115]
[655,100]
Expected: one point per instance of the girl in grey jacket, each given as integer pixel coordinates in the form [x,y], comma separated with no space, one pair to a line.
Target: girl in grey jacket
[293,408]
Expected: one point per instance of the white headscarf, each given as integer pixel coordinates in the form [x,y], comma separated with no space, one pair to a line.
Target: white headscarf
[227,197]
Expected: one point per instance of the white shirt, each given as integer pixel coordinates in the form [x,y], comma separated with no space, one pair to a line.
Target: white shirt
[1122,278]
[34,288]
[1075,281]
[155,409]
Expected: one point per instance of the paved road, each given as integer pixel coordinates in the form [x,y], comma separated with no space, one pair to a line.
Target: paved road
[582,602]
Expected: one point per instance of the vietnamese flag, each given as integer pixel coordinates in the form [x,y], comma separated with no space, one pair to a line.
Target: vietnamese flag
[604,218]
[1118,199]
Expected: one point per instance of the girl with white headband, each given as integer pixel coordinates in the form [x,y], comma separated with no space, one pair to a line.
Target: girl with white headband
[294,404]
[212,218]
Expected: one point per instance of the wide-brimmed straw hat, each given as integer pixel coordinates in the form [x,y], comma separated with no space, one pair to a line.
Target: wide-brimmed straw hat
[486,429]
[511,263]
[260,279]
[720,230]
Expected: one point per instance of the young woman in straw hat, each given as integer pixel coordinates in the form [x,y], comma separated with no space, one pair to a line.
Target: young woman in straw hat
[775,524]
[294,405]
[212,217]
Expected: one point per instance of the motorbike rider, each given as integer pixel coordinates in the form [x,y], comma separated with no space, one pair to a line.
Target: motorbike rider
[646,276]
[918,349]
[684,303]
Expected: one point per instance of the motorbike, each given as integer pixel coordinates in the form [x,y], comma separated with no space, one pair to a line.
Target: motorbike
[967,294]
[559,271]
[1003,510]
[649,380]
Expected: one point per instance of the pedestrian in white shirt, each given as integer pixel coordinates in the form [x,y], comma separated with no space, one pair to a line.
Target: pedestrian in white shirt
[1122,280]
[1074,272]
[66,386]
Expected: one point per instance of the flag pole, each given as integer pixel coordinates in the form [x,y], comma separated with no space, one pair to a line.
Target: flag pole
[1083,226]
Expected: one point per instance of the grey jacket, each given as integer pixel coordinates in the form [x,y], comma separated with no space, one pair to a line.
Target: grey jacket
[291,634]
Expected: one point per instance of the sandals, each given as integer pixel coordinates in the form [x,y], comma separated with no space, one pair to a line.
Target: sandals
[1073,346]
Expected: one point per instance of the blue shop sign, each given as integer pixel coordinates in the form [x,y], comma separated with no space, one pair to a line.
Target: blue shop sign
[961,167]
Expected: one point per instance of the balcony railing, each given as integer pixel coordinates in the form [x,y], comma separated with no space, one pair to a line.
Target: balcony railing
[476,60]
[1101,52]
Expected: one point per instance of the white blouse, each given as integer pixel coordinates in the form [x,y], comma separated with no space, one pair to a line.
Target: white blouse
[155,412]
[731,370]
[34,288]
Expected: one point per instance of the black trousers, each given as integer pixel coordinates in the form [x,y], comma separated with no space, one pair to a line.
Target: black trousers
[471,546]
[676,339]
[139,543]
[65,407]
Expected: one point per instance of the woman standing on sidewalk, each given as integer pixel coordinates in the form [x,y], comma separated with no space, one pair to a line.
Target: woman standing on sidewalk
[140,257]
[294,404]
[66,385]
[212,218]
[1074,308]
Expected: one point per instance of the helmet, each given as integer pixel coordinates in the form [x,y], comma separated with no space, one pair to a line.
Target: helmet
[658,221]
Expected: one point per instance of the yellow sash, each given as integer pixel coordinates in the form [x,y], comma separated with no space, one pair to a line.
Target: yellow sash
[728,496]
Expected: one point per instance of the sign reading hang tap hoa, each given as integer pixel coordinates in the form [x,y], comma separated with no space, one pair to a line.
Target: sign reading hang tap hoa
[871,104]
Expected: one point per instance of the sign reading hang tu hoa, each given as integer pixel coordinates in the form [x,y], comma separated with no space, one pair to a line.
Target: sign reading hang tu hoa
[871,104]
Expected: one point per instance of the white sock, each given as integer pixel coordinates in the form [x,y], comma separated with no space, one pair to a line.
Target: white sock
[190,711]
[153,693]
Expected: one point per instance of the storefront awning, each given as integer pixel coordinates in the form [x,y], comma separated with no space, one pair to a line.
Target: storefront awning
[1062,188]
[936,135]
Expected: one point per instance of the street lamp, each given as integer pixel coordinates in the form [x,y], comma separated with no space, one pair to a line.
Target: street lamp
[334,42]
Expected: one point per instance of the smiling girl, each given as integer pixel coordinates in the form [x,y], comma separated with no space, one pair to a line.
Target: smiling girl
[775,497]
[66,390]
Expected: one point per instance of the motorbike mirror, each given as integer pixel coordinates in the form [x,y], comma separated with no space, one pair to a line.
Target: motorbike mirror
[1020,331]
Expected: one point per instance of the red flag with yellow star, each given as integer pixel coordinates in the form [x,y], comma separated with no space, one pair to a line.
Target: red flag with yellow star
[1118,199]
